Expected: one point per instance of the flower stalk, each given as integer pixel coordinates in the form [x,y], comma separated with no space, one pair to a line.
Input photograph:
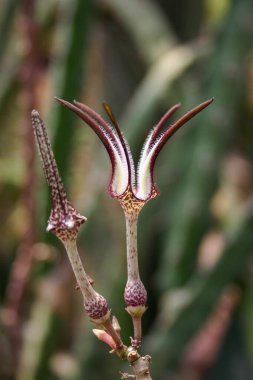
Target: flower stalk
[95,305]
[65,222]
[135,294]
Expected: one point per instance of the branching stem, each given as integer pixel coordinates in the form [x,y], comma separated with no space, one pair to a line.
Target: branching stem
[141,368]
[89,294]
[114,334]
[140,365]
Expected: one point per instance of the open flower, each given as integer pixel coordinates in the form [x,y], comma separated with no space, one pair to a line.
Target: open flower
[132,188]
[124,180]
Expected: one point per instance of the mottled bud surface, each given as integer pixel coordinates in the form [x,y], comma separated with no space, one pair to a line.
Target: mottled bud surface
[135,294]
[97,308]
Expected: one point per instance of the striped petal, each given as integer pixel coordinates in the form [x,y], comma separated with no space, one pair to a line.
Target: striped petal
[113,141]
[155,141]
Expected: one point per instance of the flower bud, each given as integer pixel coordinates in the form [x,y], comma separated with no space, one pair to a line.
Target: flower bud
[135,298]
[97,308]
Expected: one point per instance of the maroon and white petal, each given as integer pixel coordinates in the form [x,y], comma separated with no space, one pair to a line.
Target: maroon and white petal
[145,185]
[153,145]
[124,144]
[120,174]
[156,131]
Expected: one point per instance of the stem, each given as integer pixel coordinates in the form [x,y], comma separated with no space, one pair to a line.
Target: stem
[95,305]
[141,368]
[81,276]
[132,252]
[89,294]
[135,292]
[137,331]
[115,336]
[140,365]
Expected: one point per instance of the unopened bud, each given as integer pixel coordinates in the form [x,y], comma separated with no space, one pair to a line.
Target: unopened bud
[97,309]
[105,337]
[135,298]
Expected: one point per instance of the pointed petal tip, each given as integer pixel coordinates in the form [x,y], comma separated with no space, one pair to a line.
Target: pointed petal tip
[72,106]
[82,219]
[209,101]
[105,104]
[49,227]
[35,113]
[109,112]
[81,106]
[204,104]
[78,104]
[59,99]
[62,101]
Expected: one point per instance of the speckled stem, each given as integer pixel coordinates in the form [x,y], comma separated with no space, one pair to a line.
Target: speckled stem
[95,305]
[135,292]
[132,252]
[81,276]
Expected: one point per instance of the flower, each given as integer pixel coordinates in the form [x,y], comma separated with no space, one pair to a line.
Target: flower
[132,188]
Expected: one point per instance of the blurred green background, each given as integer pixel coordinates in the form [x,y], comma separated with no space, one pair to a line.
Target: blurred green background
[195,240]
